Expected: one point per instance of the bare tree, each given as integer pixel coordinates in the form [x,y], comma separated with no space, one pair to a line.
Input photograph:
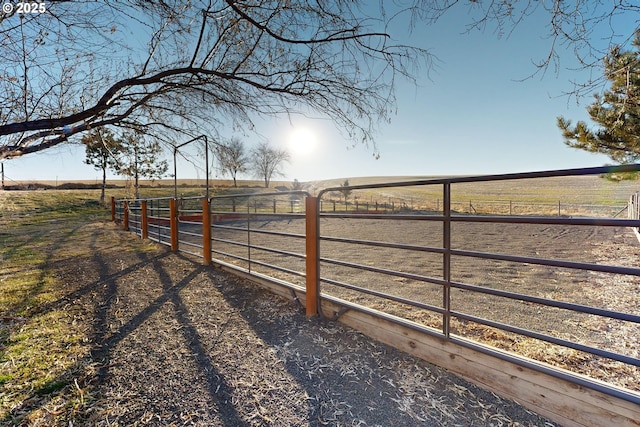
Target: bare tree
[83,65]
[232,158]
[166,67]
[267,162]
[585,28]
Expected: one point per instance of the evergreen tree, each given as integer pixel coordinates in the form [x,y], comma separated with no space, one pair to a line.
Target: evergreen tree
[616,111]
[102,150]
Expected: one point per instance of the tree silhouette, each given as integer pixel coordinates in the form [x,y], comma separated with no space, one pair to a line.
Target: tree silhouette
[267,161]
[223,63]
[102,150]
[232,158]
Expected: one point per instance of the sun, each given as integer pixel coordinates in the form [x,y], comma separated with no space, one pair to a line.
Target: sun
[302,140]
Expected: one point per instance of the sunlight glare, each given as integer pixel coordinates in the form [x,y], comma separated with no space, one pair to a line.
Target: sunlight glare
[302,141]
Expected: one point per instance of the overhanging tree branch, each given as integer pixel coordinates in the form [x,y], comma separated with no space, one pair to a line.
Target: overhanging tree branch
[177,65]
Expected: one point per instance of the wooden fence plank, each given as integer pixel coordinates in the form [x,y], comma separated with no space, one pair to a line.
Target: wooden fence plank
[559,400]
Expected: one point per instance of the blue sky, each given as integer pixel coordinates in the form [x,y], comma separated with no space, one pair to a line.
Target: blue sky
[472,114]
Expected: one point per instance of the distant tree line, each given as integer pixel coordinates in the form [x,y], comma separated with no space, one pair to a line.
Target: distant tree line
[136,156]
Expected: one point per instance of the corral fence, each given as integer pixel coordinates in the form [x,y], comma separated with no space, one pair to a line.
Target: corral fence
[481,207]
[491,297]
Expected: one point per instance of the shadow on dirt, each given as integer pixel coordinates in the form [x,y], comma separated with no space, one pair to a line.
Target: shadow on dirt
[175,343]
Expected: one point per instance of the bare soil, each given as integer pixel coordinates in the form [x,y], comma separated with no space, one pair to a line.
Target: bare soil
[586,244]
[171,342]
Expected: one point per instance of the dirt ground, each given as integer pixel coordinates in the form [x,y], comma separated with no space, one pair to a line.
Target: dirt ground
[586,244]
[174,343]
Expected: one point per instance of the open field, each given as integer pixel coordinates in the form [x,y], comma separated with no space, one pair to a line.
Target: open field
[579,189]
[100,328]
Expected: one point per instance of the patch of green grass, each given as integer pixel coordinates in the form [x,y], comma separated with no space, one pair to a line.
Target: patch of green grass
[51,387]
[40,348]
[5,378]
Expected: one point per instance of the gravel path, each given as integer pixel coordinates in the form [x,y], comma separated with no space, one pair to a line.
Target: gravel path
[174,343]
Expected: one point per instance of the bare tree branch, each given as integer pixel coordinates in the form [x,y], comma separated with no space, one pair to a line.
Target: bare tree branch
[174,65]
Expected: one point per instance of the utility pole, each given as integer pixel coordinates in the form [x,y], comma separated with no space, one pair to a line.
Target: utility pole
[2,174]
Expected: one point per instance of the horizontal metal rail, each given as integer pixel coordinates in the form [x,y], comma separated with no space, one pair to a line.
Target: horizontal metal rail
[384,295]
[386,271]
[447,217]
[547,338]
[580,308]
[251,215]
[549,262]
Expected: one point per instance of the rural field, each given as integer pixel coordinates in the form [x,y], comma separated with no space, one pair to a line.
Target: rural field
[581,196]
[100,327]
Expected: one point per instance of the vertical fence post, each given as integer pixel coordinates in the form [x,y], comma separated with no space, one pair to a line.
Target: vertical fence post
[125,216]
[113,209]
[173,221]
[446,259]
[144,221]
[311,215]
[206,232]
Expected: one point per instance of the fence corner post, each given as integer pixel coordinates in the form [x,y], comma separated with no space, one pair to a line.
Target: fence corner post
[173,221]
[144,221]
[206,231]
[125,216]
[311,215]
[113,209]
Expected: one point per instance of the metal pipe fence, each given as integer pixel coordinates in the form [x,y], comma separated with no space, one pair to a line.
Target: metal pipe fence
[257,233]
[498,283]
[432,271]
[399,205]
